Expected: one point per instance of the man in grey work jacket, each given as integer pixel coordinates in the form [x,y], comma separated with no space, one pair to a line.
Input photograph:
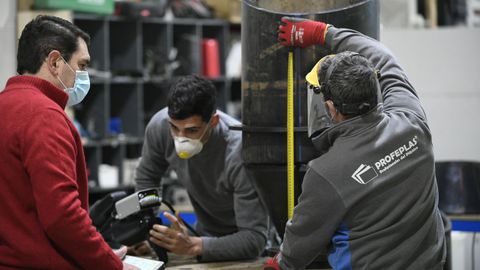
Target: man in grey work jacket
[193,138]
[370,201]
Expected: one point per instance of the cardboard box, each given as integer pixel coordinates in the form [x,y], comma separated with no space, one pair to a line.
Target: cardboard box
[25,4]
[235,11]
[229,10]
[91,6]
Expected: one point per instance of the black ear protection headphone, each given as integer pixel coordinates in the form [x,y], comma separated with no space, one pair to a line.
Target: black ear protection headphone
[345,109]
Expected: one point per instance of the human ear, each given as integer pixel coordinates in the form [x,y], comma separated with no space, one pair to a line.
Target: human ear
[331,109]
[215,120]
[52,62]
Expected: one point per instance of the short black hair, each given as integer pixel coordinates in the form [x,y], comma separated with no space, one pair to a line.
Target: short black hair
[192,95]
[44,34]
[350,81]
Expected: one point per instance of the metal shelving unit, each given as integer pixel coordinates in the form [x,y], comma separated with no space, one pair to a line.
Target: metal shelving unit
[134,62]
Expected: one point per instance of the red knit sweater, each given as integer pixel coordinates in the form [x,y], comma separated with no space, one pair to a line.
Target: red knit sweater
[44,221]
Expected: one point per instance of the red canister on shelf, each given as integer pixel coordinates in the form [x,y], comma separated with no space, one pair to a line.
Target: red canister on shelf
[211,58]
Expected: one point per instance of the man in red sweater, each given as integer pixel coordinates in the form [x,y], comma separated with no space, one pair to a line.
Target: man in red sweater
[44,221]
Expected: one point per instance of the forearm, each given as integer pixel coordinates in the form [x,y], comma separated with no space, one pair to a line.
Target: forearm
[147,175]
[77,237]
[339,40]
[342,39]
[315,219]
[55,188]
[152,165]
[250,219]
[397,92]
[66,223]
[244,244]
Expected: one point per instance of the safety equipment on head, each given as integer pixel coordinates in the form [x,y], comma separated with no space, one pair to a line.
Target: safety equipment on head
[300,32]
[320,92]
[318,115]
[186,147]
[80,88]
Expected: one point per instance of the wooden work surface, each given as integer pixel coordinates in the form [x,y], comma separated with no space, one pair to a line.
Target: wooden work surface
[176,262]
[465,217]
[179,262]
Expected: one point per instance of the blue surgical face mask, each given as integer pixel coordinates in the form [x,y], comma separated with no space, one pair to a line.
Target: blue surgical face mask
[80,88]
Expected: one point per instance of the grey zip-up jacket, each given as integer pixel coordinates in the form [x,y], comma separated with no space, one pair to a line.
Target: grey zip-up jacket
[370,202]
[229,213]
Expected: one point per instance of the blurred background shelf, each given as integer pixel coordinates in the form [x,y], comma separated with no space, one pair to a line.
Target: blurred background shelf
[134,62]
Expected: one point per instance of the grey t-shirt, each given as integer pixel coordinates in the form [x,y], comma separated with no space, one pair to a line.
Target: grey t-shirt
[230,217]
[371,201]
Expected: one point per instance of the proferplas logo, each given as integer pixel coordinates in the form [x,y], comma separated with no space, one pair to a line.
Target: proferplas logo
[366,173]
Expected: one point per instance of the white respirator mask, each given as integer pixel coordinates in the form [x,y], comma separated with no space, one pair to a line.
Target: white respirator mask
[186,147]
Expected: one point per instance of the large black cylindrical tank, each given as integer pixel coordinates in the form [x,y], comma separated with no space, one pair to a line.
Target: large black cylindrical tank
[264,88]
[458,187]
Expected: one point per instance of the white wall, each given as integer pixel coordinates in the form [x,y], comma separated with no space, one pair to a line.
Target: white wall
[8,44]
[465,250]
[444,67]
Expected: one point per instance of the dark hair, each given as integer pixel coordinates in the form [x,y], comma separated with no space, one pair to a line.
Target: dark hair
[351,82]
[192,95]
[44,34]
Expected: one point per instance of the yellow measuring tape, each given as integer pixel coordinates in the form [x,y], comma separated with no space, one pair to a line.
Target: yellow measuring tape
[290,132]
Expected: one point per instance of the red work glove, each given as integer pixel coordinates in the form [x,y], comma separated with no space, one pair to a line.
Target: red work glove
[300,32]
[272,264]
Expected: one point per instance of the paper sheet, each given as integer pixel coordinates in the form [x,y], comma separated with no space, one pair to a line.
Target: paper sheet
[143,264]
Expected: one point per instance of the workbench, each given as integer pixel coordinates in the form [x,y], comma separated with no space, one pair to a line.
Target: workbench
[465,223]
[177,262]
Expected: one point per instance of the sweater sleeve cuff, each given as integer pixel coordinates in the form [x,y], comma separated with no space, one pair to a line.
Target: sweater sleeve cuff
[206,254]
[330,33]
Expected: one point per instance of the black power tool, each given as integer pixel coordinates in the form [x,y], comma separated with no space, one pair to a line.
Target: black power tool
[127,219]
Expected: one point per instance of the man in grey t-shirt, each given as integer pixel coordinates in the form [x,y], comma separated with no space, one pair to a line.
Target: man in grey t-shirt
[193,138]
